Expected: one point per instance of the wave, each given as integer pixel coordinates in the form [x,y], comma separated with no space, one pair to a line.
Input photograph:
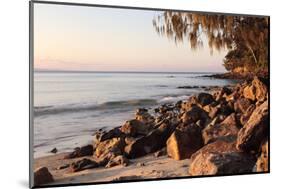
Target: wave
[69,108]
[173,98]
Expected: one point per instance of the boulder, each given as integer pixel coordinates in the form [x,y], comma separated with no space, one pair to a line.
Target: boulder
[105,135]
[228,127]
[80,152]
[118,160]
[193,115]
[241,105]
[256,91]
[114,145]
[83,164]
[255,130]
[204,99]
[42,176]
[135,127]
[262,162]
[184,142]
[220,158]
[150,143]
[222,92]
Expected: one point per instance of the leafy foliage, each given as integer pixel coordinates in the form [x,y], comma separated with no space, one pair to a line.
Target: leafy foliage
[246,37]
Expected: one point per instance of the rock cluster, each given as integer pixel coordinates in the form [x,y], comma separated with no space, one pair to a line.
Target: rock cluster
[224,132]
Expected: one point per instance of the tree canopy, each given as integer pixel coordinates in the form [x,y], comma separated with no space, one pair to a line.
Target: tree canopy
[245,37]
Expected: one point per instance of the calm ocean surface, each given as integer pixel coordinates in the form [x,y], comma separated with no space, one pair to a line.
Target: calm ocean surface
[70,106]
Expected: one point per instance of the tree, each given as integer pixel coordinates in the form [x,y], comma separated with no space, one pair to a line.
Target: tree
[246,37]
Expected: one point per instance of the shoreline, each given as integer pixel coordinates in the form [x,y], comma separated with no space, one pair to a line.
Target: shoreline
[177,140]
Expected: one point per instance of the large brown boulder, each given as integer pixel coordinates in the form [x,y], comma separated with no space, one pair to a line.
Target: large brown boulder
[105,135]
[226,128]
[193,115]
[255,130]
[115,146]
[256,91]
[135,127]
[42,176]
[262,162]
[220,158]
[152,142]
[184,142]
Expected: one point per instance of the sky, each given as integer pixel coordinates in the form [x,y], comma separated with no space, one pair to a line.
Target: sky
[106,39]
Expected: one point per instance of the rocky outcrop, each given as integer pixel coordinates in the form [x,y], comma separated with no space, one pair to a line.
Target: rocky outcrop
[220,158]
[226,128]
[255,130]
[184,142]
[42,176]
[135,127]
[115,146]
[152,142]
[193,115]
[256,91]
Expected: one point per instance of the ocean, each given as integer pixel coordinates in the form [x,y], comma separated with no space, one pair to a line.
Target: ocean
[70,106]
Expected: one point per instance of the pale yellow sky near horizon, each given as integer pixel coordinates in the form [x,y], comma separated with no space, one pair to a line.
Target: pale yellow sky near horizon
[104,39]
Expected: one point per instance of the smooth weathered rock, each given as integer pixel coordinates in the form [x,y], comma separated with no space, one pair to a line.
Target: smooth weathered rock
[42,176]
[135,127]
[83,164]
[255,130]
[256,91]
[80,152]
[184,142]
[226,128]
[115,146]
[220,158]
[118,160]
[193,115]
[152,142]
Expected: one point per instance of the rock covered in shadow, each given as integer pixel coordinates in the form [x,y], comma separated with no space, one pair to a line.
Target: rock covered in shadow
[193,115]
[118,160]
[226,128]
[135,127]
[221,158]
[255,130]
[42,176]
[152,142]
[83,164]
[86,150]
[184,141]
[101,136]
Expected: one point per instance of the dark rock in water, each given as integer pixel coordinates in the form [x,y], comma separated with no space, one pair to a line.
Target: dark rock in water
[220,158]
[42,176]
[184,142]
[194,114]
[152,142]
[262,162]
[118,160]
[255,130]
[204,99]
[161,152]
[135,127]
[80,152]
[241,105]
[114,145]
[63,166]
[226,128]
[256,91]
[54,150]
[83,164]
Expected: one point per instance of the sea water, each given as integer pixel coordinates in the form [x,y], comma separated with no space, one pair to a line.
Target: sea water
[70,106]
